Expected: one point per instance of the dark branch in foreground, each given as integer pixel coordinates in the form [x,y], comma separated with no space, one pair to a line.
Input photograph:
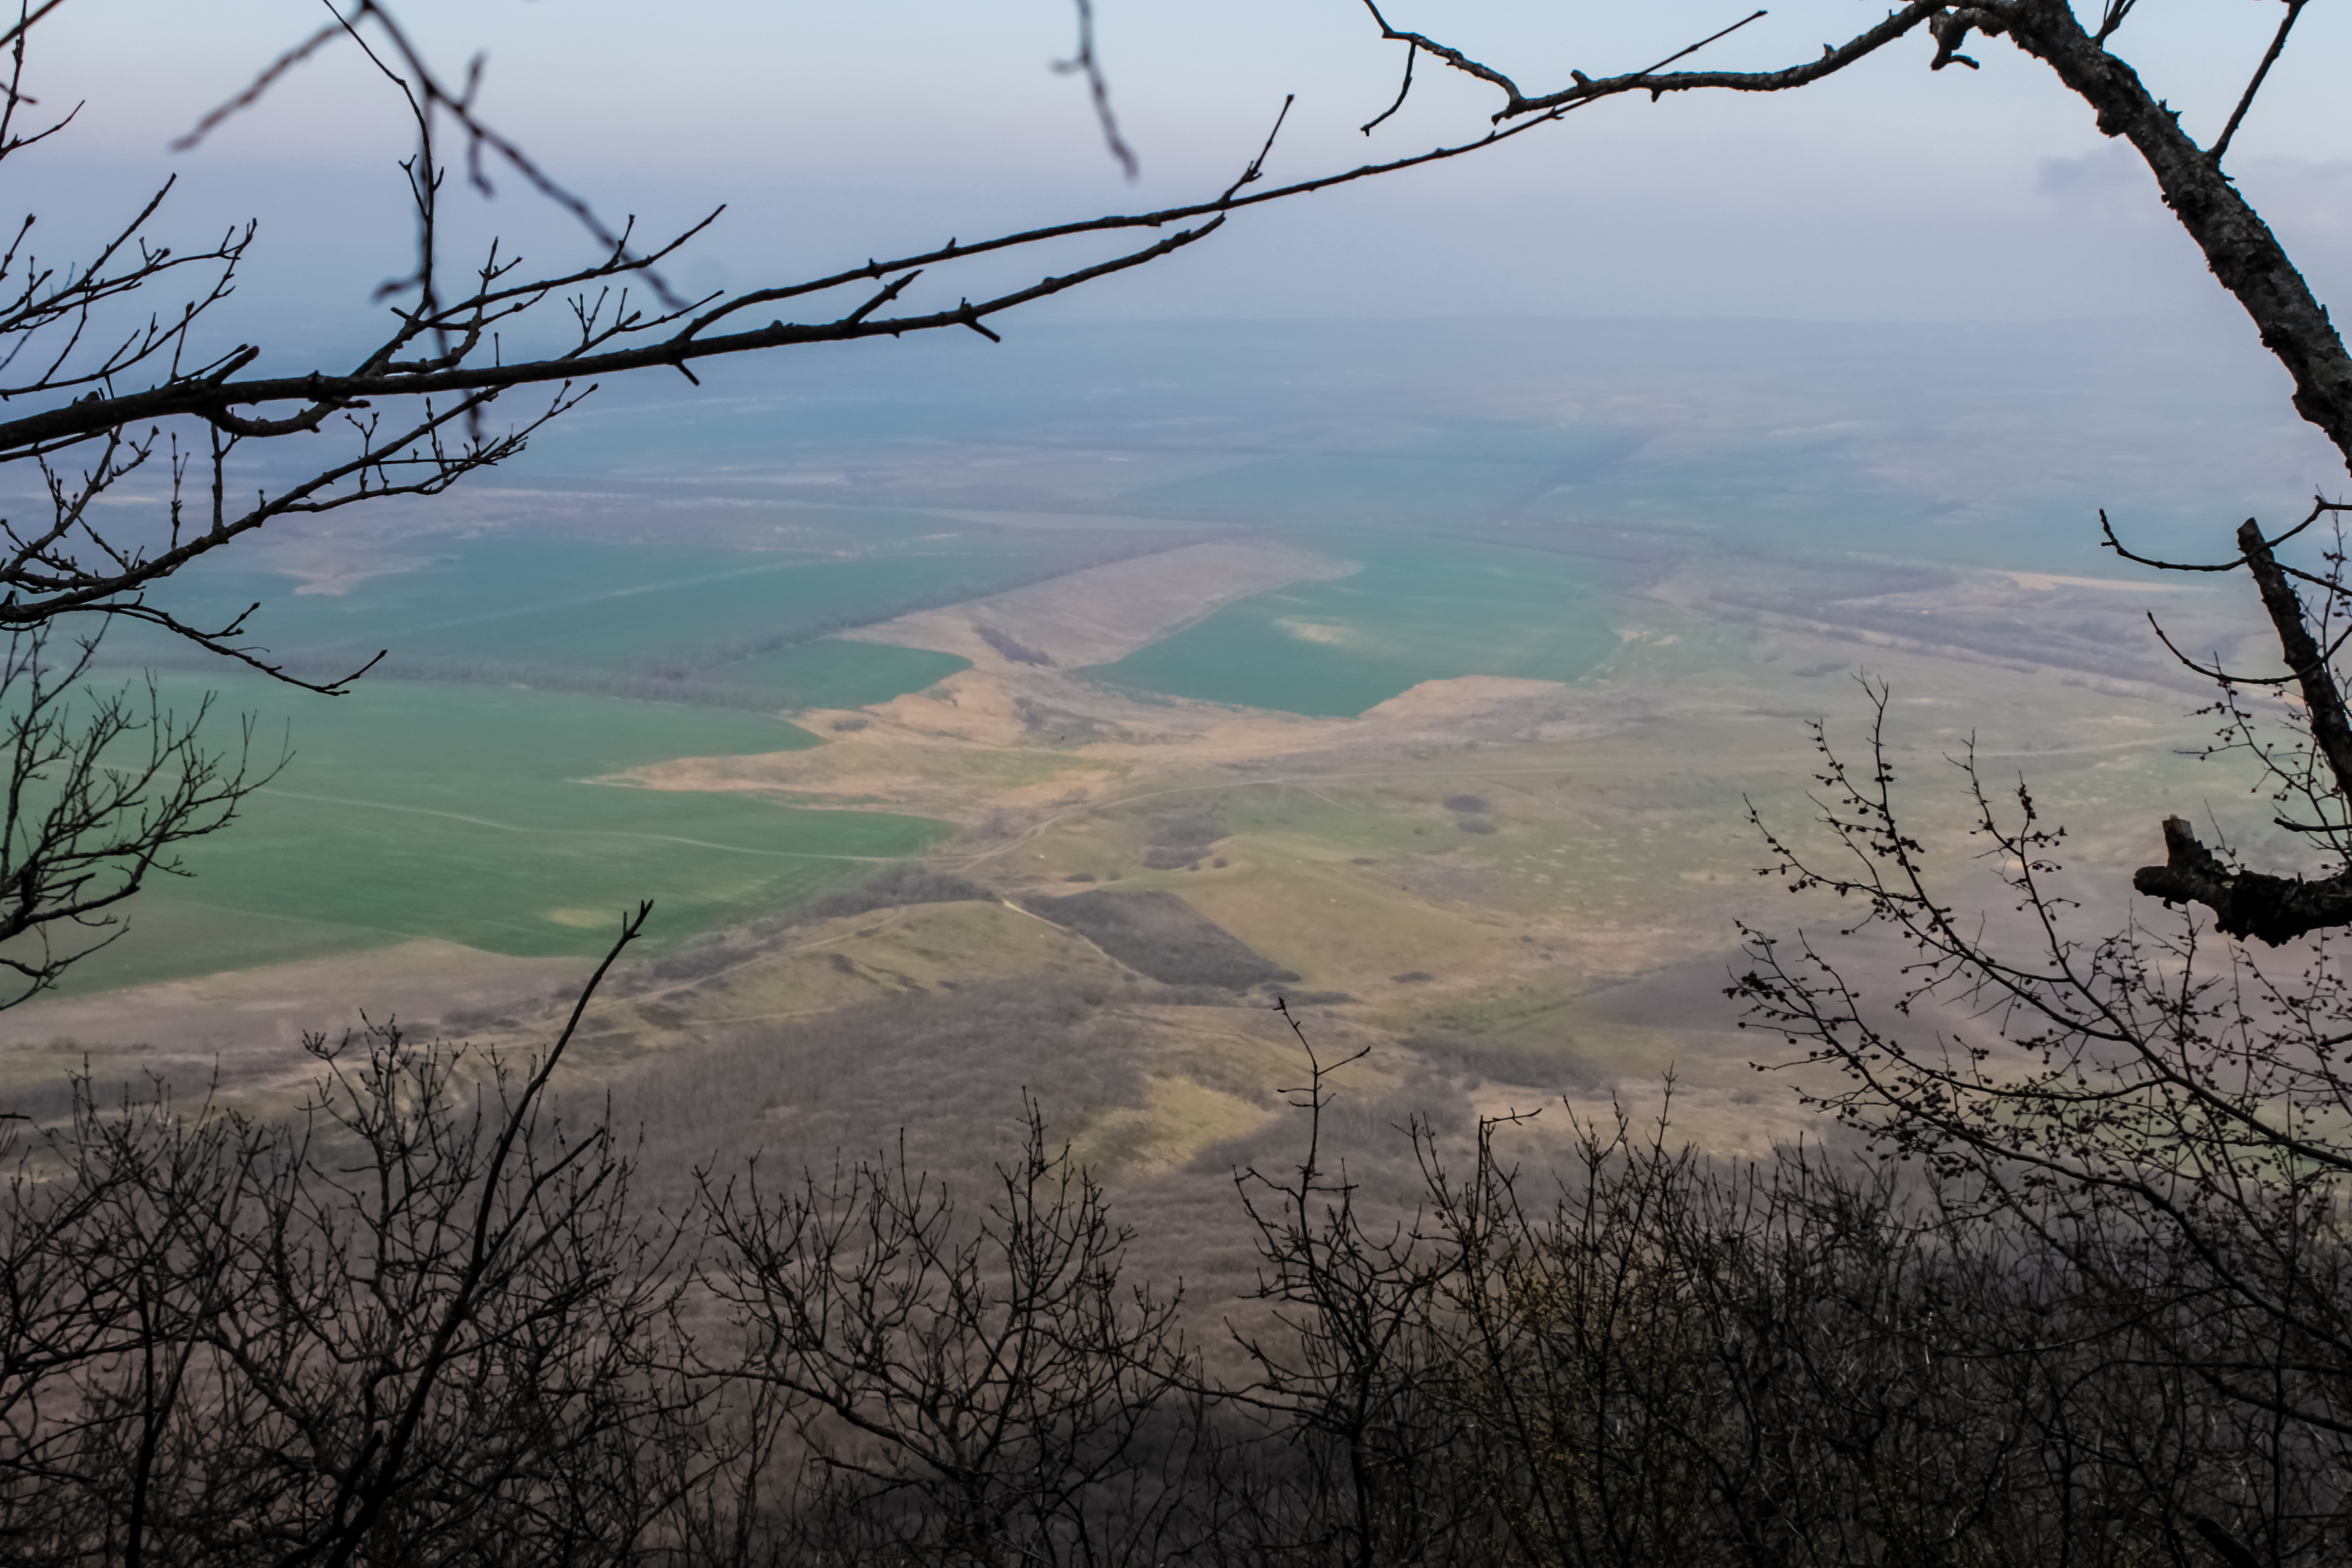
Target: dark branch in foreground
[2330,727]
[2274,910]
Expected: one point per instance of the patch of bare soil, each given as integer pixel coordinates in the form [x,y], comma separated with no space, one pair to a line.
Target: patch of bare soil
[968,746]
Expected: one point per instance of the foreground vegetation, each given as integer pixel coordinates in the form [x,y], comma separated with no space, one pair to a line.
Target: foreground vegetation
[431,1320]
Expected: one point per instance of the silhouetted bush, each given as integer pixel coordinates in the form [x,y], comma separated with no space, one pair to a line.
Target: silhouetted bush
[419,1327]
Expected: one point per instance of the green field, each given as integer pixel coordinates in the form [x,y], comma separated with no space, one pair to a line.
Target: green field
[415,809]
[1421,609]
[615,606]
[708,623]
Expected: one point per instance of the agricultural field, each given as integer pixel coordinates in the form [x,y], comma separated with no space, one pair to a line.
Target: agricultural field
[456,794]
[1417,608]
[473,815]
[1536,883]
[1444,730]
[738,615]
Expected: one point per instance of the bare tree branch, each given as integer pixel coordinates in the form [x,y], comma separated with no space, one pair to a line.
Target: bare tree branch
[2246,100]
[1085,62]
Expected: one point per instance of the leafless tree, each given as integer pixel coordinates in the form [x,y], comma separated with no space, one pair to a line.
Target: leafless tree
[1339,1364]
[416,1323]
[966,1388]
[2186,1095]
[1638,1353]
[102,788]
[2164,1111]
[421,1324]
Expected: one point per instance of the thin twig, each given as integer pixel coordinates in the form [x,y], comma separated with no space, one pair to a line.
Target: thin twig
[1084,60]
[2269,58]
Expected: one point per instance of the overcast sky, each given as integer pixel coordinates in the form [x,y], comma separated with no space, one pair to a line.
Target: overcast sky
[838,129]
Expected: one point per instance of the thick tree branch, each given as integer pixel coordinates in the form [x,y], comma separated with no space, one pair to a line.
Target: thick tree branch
[2274,910]
[2239,246]
[2330,727]
[212,399]
[2243,252]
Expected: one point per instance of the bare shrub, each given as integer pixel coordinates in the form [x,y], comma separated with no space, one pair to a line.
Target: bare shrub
[968,1383]
[418,1322]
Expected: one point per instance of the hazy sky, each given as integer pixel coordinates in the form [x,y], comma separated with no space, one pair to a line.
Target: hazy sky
[846,128]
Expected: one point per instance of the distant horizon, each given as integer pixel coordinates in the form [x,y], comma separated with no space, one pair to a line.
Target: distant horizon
[1895,196]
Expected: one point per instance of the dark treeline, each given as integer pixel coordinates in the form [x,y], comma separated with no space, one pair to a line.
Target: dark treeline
[430,1321]
[1160,936]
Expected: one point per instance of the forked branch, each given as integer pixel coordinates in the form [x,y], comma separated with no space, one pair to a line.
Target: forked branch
[2274,909]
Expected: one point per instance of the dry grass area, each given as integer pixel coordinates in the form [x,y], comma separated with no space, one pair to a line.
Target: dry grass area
[246,1025]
